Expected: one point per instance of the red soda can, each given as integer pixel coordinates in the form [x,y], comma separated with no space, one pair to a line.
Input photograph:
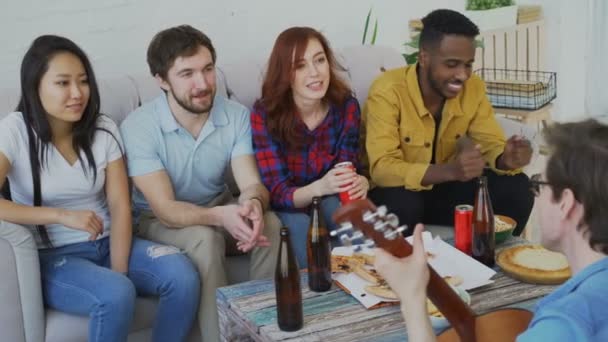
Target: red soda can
[463,227]
[344,196]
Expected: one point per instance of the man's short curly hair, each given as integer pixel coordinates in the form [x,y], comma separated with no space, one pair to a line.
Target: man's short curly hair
[443,22]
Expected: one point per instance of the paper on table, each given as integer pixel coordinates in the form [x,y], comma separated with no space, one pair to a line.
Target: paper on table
[447,261]
[450,261]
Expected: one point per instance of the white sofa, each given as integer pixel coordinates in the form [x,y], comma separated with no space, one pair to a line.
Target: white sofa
[22,315]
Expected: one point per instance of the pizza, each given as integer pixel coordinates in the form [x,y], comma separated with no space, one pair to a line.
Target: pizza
[382,291]
[368,274]
[534,264]
[368,258]
[454,280]
[345,263]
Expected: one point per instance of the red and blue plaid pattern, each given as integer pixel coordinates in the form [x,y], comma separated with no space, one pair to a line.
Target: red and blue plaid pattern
[283,171]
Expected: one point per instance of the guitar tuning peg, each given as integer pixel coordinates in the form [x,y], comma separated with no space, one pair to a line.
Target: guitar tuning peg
[356,236]
[380,226]
[369,243]
[391,235]
[392,219]
[345,227]
[346,240]
[401,229]
[357,248]
[368,217]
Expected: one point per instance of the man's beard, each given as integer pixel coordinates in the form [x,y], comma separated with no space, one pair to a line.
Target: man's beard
[435,85]
[194,109]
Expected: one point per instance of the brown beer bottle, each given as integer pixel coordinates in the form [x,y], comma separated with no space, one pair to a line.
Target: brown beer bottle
[483,225]
[287,286]
[318,250]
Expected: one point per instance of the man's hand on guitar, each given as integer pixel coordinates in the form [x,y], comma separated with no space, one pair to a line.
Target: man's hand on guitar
[408,276]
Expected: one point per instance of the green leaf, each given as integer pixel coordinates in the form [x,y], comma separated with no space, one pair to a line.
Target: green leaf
[366,26]
[375,32]
[414,43]
[411,58]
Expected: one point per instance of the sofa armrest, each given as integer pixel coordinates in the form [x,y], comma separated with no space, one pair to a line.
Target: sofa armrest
[22,310]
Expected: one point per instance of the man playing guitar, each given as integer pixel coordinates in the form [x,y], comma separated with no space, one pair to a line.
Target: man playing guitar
[573,214]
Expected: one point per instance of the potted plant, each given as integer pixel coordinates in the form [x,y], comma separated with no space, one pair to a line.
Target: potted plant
[492,14]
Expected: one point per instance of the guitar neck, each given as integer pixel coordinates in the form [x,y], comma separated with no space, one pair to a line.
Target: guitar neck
[376,227]
[442,295]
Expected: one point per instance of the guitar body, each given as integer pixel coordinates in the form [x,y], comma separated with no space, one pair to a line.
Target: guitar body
[496,326]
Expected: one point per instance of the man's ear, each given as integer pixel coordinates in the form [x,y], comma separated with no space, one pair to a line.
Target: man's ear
[161,82]
[423,57]
[570,209]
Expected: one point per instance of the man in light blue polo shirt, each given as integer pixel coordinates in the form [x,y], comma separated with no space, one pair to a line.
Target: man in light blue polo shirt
[179,147]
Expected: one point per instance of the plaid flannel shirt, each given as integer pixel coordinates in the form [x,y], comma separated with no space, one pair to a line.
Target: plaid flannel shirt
[284,170]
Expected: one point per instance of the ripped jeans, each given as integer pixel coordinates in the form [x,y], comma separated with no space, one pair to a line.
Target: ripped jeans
[77,279]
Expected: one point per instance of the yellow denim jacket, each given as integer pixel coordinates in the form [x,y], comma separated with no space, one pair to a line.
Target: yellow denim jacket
[399,131]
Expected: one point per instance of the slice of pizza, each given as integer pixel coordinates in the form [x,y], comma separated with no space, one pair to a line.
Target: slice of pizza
[367,258]
[368,274]
[383,291]
[454,280]
[344,263]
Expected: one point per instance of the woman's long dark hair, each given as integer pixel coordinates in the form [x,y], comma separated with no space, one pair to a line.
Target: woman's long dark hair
[35,64]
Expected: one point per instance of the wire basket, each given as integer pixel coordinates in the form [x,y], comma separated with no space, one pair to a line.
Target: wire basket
[519,89]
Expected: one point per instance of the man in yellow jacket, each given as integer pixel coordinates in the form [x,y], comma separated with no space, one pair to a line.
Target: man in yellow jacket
[431,131]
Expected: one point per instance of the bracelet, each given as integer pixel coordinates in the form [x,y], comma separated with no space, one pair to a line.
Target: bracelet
[259,200]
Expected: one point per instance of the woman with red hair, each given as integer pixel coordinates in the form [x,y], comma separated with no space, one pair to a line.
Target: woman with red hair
[305,123]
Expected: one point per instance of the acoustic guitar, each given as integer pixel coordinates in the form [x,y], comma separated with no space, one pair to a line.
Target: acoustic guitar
[381,228]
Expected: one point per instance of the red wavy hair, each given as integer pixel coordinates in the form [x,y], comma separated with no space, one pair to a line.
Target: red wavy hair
[277,97]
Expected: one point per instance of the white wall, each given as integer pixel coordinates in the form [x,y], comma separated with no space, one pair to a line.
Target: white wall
[115,33]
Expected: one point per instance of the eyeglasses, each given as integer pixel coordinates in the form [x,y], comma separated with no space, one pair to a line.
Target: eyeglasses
[536,182]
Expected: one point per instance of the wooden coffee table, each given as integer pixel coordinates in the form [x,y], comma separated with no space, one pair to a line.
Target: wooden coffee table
[247,311]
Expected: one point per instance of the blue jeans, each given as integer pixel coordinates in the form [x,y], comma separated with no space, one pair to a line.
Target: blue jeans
[298,223]
[77,279]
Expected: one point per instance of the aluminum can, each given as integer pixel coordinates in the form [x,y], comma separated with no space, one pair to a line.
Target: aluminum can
[463,227]
[344,196]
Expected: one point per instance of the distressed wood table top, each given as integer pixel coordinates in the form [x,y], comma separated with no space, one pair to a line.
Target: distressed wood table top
[248,310]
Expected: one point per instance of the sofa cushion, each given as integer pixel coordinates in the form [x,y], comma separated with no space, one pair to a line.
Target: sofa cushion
[365,62]
[9,98]
[244,81]
[118,97]
[21,313]
[11,320]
